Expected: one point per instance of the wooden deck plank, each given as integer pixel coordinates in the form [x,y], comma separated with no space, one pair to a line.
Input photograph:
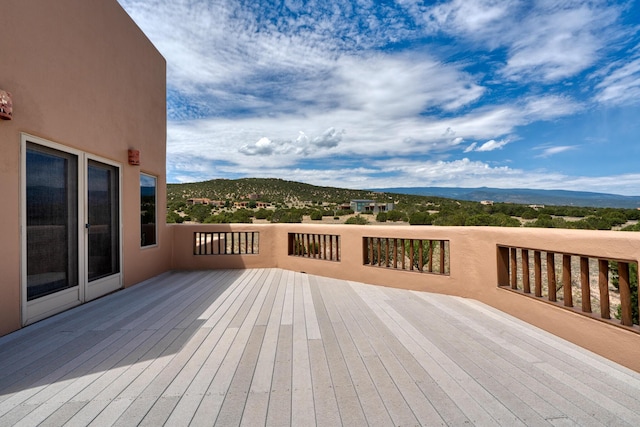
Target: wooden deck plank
[258,400]
[573,400]
[378,360]
[421,408]
[302,389]
[211,352]
[448,375]
[346,394]
[213,400]
[275,347]
[124,389]
[482,365]
[279,411]
[324,397]
[523,376]
[372,405]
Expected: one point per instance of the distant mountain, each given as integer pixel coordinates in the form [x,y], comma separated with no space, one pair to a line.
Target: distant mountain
[523,196]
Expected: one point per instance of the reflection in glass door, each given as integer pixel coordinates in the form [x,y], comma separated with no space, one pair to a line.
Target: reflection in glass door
[103,220]
[51,221]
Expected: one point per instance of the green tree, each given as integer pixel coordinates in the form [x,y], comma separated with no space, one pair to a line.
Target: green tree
[263,213]
[397,215]
[420,218]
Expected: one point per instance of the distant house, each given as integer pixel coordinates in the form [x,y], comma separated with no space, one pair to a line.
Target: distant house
[536,207]
[361,206]
[254,196]
[487,202]
[262,205]
[240,204]
[198,201]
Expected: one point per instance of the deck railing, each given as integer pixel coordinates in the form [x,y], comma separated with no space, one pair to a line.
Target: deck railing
[316,246]
[578,281]
[226,243]
[420,255]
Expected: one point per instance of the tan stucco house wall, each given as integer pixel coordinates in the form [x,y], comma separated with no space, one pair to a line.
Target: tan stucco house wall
[82,75]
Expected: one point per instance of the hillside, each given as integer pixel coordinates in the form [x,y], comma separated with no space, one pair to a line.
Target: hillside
[279,191]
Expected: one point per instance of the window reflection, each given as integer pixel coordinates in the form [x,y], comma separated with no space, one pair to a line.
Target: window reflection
[148,186]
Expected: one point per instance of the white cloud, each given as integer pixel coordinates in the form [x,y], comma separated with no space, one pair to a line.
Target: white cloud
[551,151]
[490,145]
[621,84]
[546,40]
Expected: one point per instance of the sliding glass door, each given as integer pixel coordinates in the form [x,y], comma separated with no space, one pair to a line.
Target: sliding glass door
[103,226]
[71,228]
[52,221]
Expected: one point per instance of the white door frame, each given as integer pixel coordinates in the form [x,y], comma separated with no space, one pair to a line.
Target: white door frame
[48,305]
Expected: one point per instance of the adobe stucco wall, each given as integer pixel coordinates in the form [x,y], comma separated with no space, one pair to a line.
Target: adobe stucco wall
[83,75]
[473,268]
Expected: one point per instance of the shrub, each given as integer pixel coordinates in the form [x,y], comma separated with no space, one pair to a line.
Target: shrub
[316,215]
[357,220]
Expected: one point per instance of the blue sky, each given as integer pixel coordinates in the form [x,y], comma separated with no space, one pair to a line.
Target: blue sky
[364,94]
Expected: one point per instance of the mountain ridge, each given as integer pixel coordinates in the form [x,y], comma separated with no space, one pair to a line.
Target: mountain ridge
[525,196]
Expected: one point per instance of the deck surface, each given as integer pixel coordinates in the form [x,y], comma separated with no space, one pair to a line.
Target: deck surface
[275,347]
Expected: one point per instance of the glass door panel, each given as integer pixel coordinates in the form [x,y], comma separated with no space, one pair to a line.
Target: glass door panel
[103,220]
[51,220]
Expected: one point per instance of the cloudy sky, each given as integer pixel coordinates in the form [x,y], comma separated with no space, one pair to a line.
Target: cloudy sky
[400,93]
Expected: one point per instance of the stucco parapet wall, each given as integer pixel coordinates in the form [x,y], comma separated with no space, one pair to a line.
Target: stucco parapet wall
[473,269]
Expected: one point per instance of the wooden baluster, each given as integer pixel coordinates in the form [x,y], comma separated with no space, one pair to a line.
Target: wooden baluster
[442,254]
[386,257]
[313,246]
[402,241]
[308,246]
[370,250]
[625,294]
[566,281]
[420,254]
[430,254]
[526,285]
[537,266]
[395,253]
[551,277]
[324,246]
[379,251]
[410,254]
[514,268]
[584,281]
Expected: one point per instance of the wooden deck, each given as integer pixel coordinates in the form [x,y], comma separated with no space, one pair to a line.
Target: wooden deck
[274,347]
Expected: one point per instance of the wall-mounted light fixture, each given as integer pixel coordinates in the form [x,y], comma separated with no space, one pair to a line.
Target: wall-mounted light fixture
[6,105]
[134,157]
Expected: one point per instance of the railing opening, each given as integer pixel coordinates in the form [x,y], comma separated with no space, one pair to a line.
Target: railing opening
[595,286]
[420,255]
[318,246]
[226,243]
